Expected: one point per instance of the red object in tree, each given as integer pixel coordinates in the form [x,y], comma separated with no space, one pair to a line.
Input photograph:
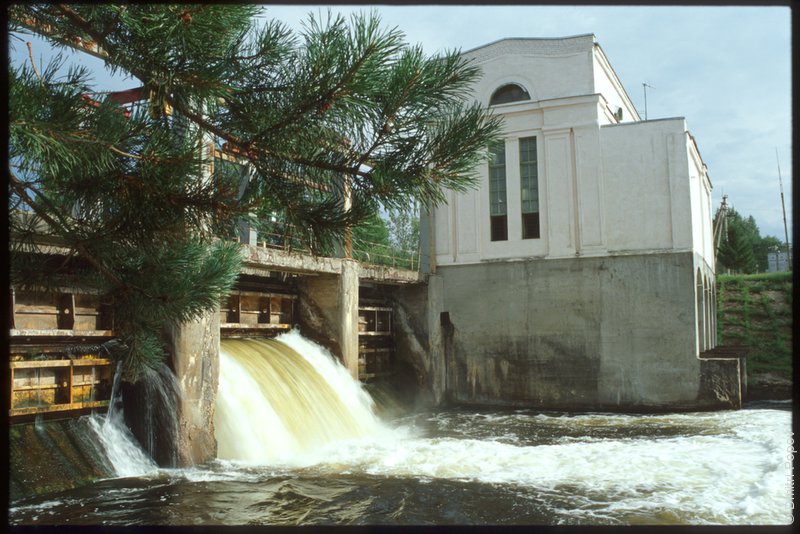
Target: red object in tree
[120,98]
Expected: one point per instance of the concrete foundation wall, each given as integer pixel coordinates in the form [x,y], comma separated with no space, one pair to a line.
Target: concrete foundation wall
[53,456]
[195,350]
[585,333]
[417,337]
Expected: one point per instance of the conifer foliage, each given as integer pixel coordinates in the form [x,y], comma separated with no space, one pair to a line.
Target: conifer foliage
[345,109]
[742,249]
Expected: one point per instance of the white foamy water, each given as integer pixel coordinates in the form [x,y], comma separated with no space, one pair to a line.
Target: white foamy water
[121,448]
[280,401]
[700,468]
[737,472]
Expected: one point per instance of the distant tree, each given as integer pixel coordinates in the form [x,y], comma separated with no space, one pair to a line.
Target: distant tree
[404,227]
[345,111]
[736,249]
[746,235]
[750,228]
[372,231]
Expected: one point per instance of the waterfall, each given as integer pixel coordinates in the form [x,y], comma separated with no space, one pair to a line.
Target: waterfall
[282,400]
[121,448]
[151,408]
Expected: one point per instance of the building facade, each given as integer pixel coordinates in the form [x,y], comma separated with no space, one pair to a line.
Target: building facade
[580,273]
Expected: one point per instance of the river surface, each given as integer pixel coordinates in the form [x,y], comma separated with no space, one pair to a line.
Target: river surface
[475,467]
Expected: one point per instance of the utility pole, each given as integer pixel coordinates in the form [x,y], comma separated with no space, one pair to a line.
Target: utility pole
[720,224]
[645,85]
[783,209]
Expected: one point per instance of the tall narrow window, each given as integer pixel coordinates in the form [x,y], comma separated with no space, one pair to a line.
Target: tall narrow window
[497,192]
[529,187]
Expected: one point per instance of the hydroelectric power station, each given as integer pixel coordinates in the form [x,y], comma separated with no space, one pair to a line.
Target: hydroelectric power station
[578,276]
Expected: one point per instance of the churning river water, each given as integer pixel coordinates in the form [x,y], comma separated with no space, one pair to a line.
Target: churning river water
[450,467]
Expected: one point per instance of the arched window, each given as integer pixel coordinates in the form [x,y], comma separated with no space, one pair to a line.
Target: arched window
[701,313]
[708,317]
[713,314]
[510,92]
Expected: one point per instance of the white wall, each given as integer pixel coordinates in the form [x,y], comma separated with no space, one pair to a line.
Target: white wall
[702,210]
[570,189]
[604,188]
[647,186]
[547,68]
[607,84]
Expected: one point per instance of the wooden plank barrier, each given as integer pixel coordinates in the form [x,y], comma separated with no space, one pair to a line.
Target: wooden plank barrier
[45,328]
[375,342]
[43,386]
[255,311]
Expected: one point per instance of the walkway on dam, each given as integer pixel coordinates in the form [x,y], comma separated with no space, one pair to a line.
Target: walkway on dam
[259,260]
[375,262]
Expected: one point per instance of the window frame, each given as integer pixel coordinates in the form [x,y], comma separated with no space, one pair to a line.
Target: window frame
[508,93]
[498,192]
[529,186]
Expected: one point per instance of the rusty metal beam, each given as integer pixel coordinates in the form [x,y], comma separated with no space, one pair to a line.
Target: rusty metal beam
[45,30]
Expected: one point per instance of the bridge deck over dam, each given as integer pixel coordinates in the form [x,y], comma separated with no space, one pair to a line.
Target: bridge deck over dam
[259,259]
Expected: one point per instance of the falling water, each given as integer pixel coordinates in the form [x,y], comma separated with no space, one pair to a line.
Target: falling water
[282,400]
[151,408]
[121,448]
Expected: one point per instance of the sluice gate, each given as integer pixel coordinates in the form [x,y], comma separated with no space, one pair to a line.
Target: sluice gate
[266,306]
[56,362]
[375,340]
[259,307]
[257,313]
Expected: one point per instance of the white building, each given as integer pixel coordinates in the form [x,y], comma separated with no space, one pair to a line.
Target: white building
[778,261]
[581,271]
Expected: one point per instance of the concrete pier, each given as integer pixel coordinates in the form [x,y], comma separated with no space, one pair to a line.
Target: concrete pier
[328,312]
[195,357]
[347,312]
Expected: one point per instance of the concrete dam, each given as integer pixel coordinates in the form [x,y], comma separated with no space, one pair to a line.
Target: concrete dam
[544,361]
[386,326]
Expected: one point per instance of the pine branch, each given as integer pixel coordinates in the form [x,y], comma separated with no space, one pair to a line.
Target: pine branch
[21,190]
[249,148]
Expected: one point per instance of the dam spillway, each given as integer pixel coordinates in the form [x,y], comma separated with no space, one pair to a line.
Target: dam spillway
[284,398]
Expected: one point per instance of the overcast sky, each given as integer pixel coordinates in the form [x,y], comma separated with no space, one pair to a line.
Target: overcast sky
[727,70]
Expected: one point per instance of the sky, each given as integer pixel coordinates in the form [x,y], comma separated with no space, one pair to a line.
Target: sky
[725,69]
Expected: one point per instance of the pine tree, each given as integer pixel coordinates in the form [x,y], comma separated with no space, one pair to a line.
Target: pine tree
[736,250]
[746,243]
[342,111]
[404,228]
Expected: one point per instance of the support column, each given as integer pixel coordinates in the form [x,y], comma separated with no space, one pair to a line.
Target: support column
[195,354]
[347,304]
[441,372]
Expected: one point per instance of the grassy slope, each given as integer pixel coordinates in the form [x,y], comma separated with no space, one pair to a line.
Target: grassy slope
[756,311]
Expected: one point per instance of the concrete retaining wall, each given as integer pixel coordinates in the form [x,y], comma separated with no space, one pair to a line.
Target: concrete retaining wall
[585,333]
[53,456]
[328,312]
